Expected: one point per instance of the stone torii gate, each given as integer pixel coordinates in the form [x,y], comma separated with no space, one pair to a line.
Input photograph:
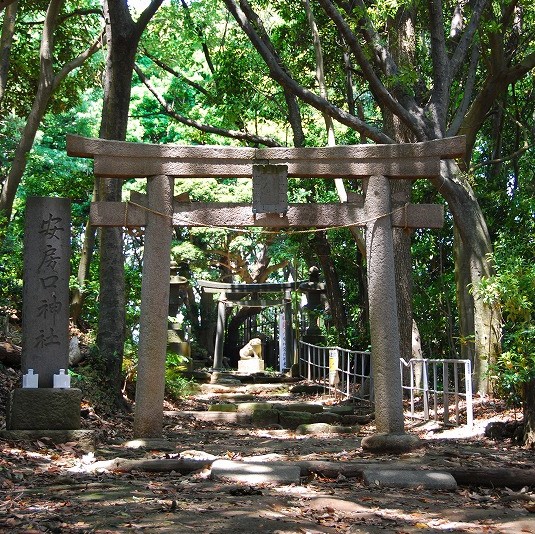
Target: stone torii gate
[159,211]
[228,290]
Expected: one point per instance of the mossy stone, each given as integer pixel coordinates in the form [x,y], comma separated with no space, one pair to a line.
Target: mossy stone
[223,408]
[292,420]
[300,407]
[326,417]
[251,407]
[264,418]
[342,409]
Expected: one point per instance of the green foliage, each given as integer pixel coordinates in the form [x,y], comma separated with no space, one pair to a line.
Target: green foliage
[49,172]
[90,378]
[176,385]
[515,367]
[221,81]
[73,35]
[512,292]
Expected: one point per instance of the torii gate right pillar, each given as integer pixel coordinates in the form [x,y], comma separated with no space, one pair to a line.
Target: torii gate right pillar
[384,331]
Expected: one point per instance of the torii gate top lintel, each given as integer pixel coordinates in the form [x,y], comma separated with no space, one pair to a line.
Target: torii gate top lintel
[240,288]
[125,160]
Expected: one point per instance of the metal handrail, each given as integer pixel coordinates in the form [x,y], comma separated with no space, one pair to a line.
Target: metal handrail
[448,388]
[344,372]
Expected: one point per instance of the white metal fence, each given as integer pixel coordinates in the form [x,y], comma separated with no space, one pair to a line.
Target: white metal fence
[343,372]
[438,389]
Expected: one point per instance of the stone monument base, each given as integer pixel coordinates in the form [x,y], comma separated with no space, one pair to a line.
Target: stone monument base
[44,409]
[87,439]
[254,365]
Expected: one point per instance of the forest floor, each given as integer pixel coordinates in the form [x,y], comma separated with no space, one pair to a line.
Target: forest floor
[54,488]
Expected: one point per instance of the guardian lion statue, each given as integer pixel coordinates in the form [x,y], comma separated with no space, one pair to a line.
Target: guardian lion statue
[253,349]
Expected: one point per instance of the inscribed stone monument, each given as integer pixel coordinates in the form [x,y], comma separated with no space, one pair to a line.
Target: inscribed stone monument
[49,405]
[45,319]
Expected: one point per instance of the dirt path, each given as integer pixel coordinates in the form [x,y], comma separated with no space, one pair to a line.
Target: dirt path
[53,488]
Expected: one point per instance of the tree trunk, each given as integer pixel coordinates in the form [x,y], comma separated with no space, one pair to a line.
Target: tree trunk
[529,414]
[8,30]
[122,36]
[472,247]
[465,300]
[362,281]
[206,334]
[332,285]
[44,91]
[112,300]
[48,83]
[401,191]
[77,296]
[403,52]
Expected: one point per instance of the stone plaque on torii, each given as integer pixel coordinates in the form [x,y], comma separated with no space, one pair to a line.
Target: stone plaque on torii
[159,211]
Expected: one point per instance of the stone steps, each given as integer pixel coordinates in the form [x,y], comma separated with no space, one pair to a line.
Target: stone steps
[266,400]
[250,404]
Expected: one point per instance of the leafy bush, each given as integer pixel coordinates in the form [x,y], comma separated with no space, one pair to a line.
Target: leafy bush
[512,292]
[176,385]
[516,366]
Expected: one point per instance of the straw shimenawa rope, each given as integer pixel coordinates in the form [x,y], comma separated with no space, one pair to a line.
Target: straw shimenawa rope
[188,222]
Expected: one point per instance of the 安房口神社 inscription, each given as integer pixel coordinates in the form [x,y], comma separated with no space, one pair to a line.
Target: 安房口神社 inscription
[46,287]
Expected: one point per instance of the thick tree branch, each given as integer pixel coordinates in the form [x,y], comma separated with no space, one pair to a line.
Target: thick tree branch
[5,3]
[77,62]
[413,121]
[8,31]
[381,55]
[459,55]
[145,17]
[47,42]
[515,155]
[457,21]
[48,81]
[385,63]
[518,71]
[294,118]
[175,73]
[494,86]
[233,134]
[280,75]
[294,113]
[79,12]
[438,104]
[468,92]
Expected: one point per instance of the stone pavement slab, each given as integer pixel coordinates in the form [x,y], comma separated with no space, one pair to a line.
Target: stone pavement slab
[218,417]
[406,478]
[256,472]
